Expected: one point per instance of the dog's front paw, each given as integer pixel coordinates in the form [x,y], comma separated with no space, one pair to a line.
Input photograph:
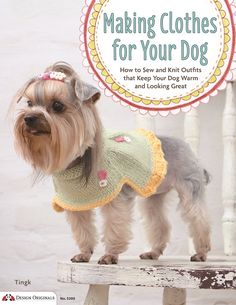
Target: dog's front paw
[198,258]
[81,258]
[108,259]
[149,255]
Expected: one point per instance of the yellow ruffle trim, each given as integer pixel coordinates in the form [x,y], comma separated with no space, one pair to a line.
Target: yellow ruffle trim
[157,176]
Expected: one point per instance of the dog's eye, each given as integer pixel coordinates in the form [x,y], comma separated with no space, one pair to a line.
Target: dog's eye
[30,104]
[58,106]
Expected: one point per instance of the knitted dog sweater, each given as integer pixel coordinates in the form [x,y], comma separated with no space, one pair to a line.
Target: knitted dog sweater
[133,158]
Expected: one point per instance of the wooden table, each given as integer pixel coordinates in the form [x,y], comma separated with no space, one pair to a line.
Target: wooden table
[174,274]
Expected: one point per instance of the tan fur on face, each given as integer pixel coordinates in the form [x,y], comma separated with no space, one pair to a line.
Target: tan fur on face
[69,134]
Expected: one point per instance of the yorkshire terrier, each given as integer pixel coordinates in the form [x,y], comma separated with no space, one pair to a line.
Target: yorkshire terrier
[58,131]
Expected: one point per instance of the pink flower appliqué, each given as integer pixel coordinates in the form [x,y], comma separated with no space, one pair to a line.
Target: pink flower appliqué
[102,176]
[121,139]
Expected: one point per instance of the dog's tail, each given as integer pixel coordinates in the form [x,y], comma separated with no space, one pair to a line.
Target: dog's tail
[207,176]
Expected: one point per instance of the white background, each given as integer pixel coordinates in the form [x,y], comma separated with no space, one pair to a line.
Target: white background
[33,237]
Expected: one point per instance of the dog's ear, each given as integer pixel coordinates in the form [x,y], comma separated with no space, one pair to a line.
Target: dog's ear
[86,92]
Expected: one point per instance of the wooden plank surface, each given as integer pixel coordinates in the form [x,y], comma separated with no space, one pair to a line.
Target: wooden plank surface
[216,273]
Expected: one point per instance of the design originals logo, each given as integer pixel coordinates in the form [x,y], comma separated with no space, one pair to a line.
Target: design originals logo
[8,297]
[159,56]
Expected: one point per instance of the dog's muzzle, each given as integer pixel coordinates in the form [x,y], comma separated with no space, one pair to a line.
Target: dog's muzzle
[30,120]
[34,125]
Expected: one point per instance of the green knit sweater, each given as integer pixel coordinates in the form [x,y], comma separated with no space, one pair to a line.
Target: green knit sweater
[132,158]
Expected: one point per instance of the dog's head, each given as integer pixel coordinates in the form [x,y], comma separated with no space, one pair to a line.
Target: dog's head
[56,121]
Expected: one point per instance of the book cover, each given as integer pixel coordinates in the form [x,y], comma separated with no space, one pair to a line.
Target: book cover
[165,67]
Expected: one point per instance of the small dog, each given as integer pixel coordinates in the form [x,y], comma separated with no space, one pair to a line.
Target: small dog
[57,129]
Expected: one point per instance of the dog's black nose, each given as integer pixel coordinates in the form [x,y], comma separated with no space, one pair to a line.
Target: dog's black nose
[30,120]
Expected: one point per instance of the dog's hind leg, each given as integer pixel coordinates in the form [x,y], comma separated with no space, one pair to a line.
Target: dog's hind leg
[117,228]
[193,211]
[84,233]
[157,226]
